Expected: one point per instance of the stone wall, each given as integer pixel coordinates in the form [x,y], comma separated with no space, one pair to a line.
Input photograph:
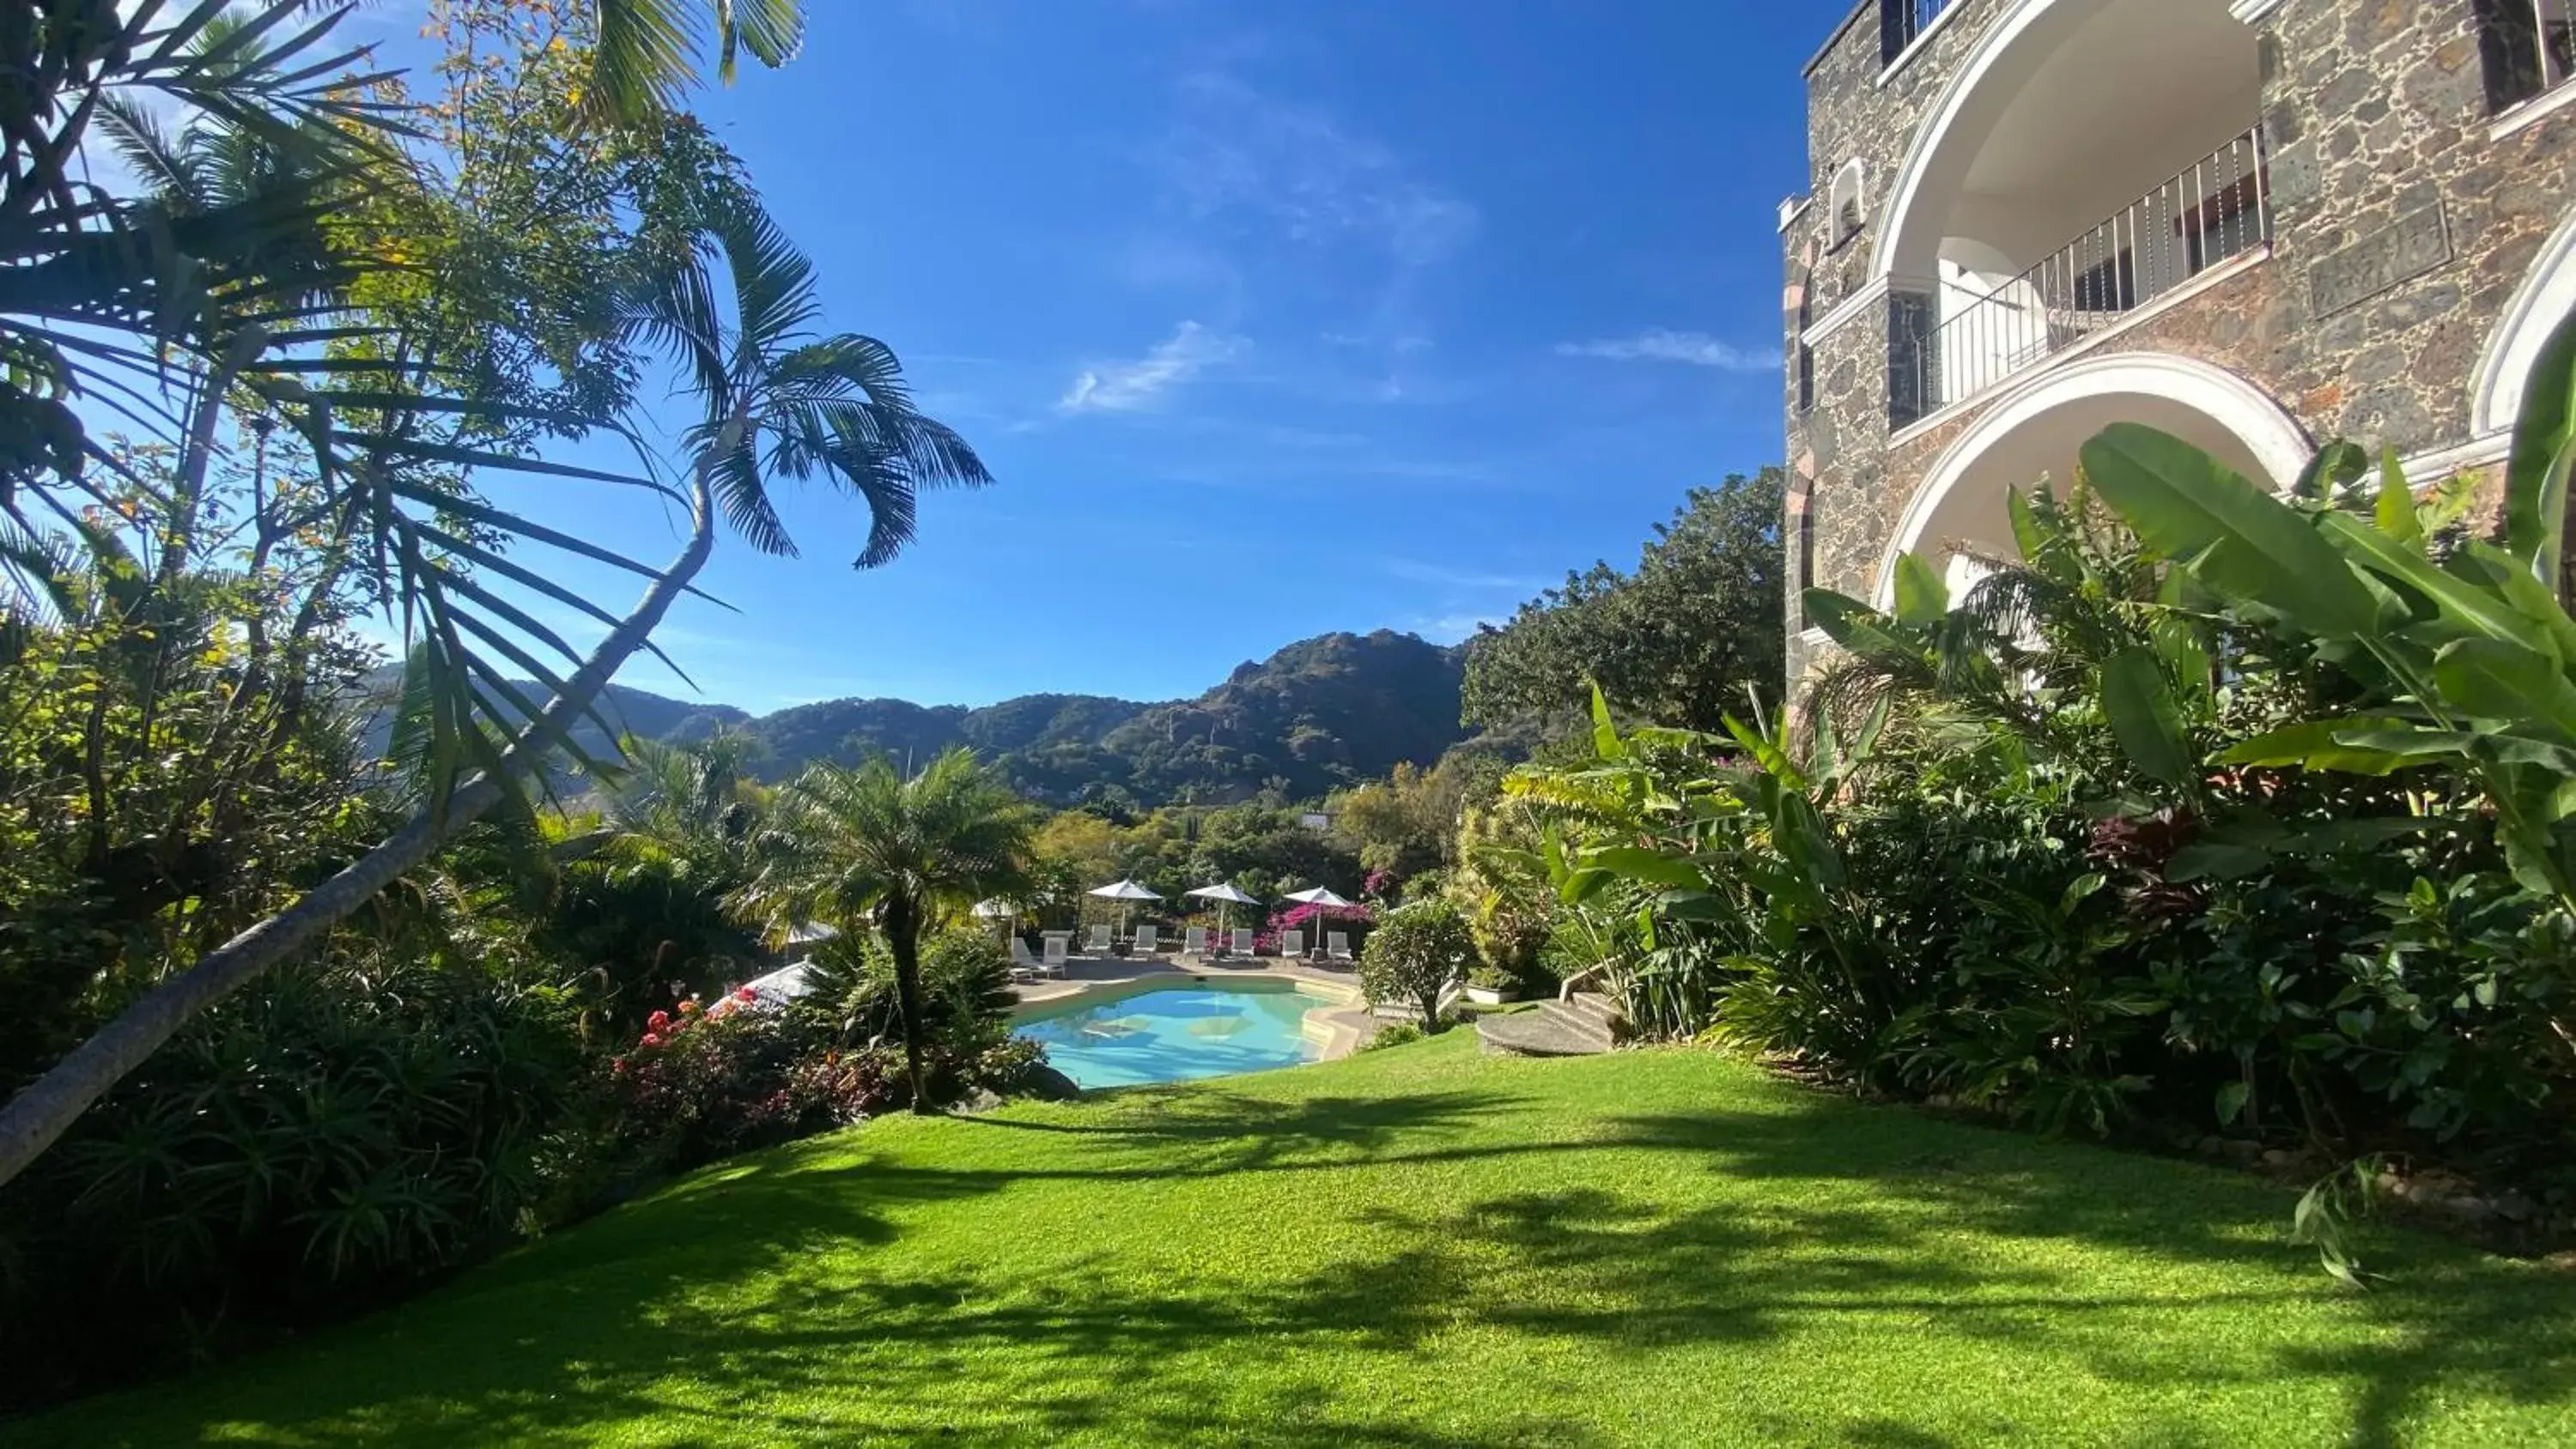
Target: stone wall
[2401,230]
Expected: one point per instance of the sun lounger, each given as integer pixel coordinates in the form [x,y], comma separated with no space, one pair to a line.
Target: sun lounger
[1194,942]
[1242,943]
[1100,942]
[1057,953]
[1147,939]
[1292,944]
[1024,967]
[1337,946]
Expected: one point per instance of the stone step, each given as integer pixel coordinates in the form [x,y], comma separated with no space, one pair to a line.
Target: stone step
[1597,1007]
[1586,1015]
[1538,1034]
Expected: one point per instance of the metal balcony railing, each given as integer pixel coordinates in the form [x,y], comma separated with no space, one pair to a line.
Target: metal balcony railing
[1957,336]
[1899,21]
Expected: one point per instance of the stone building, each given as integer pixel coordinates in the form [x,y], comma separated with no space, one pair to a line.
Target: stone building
[2258,224]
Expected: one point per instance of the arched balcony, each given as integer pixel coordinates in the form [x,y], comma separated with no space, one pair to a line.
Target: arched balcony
[2088,158]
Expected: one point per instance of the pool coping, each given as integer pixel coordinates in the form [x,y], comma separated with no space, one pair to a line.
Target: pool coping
[1337,1030]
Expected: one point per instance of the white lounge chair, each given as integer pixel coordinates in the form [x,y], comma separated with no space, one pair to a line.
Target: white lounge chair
[1194,943]
[1242,943]
[1147,939]
[1024,967]
[1337,946]
[1058,952]
[1292,944]
[1100,942]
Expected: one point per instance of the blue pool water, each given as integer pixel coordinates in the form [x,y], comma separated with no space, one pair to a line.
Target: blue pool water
[1177,1034]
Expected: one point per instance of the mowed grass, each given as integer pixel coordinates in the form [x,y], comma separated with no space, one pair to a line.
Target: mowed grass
[1424,1247]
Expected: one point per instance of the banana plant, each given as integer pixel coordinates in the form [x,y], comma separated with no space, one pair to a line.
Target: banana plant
[2468,654]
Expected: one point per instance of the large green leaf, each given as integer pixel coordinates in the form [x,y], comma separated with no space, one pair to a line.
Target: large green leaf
[1921,596]
[2245,543]
[2544,450]
[2395,510]
[2321,744]
[2462,606]
[1860,629]
[2144,718]
[2497,680]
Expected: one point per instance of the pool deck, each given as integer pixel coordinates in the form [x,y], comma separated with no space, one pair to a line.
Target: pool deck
[1340,1029]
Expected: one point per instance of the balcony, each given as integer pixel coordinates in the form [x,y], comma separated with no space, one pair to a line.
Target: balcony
[1969,330]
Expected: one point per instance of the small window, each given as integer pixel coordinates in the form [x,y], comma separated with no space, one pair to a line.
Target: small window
[1806,554]
[1899,21]
[1851,211]
[2528,47]
[1806,355]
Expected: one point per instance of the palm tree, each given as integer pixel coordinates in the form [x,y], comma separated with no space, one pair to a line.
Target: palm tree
[865,848]
[778,400]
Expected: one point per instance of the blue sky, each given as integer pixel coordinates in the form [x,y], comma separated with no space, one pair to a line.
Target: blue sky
[1270,319]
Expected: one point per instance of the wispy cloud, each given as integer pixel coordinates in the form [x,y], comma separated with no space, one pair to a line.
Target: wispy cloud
[1241,149]
[1662,344]
[1423,572]
[1119,387]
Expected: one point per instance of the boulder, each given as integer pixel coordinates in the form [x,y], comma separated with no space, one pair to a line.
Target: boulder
[1048,1085]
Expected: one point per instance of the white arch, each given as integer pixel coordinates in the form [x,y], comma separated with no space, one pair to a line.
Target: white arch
[1968,97]
[2543,300]
[2275,440]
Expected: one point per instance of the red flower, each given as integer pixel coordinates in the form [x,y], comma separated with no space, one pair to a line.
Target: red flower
[659,1021]
[689,1007]
[652,1039]
[746,995]
[617,1065]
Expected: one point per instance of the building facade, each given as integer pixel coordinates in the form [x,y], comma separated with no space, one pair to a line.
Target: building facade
[2258,224]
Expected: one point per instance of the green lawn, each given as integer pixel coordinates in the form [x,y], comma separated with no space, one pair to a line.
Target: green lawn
[1424,1247]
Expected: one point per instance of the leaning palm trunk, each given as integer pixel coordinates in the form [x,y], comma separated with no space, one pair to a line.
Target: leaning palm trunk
[47,1107]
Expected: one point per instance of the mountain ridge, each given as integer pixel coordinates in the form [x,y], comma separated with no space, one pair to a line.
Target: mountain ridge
[1318,714]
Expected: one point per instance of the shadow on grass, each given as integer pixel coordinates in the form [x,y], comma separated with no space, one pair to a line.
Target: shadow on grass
[625,1325]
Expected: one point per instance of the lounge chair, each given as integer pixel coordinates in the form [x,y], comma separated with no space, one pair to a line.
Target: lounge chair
[1024,967]
[1058,951]
[1147,939]
[1337,947]
[1242,943]
[1194,943]
[1100,942]
[1292,944]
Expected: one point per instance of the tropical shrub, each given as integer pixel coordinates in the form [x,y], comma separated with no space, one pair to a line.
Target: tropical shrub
[1415,954]
[2213,812]
[699,1085]
[314,1147]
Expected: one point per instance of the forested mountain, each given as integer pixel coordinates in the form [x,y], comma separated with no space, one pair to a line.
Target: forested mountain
[1320,714]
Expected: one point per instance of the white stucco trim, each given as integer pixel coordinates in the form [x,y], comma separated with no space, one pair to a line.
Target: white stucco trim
[2545,296]
[1844,311]
[2532,112]
[2271,435]
[1792,208]
[1991,50]
[2251,11]
[2426,469]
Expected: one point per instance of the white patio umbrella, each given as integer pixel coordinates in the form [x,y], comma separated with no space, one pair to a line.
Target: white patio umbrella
[1126,893]
[1226,897]
[1319,896]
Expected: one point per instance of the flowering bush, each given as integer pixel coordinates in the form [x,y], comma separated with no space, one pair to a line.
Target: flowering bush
[700,1085]
[1313,920]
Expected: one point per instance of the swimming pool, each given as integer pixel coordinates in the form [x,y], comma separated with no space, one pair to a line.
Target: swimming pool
[1177,1033]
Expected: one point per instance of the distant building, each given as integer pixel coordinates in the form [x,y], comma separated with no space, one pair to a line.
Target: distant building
[1315,820]
[2257,224]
